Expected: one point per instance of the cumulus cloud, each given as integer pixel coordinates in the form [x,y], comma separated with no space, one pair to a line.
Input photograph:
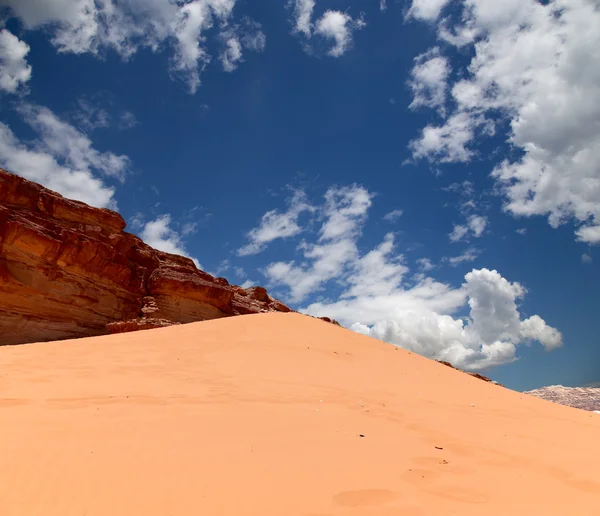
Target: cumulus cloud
[535,328]
[488,337]
[376,300]
[332,25]
[535,70]
[275,225]
[589,234]
[427,10]
[125,26]
[428,80]
[61,158]
[159,234]
[339,27]
[447,143]
[586,258]
[14,70]
[474,227]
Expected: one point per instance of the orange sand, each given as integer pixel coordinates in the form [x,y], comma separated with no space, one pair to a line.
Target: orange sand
[262,415]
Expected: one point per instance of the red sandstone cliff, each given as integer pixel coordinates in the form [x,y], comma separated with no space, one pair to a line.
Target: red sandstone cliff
[69,270]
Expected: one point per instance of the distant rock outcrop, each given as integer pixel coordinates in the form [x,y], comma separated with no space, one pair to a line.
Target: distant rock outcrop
[474,375]
[69,270]
[585,398]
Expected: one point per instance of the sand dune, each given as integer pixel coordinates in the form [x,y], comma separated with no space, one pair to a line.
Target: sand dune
[282,415]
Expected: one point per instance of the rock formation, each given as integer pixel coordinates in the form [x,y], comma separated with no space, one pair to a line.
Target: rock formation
[585,398]
[475,375]
[69,270]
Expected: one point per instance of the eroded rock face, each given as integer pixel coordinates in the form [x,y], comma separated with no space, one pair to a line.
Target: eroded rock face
[69,270]
[585,398]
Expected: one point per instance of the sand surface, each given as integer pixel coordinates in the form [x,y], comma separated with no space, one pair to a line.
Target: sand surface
[282,415]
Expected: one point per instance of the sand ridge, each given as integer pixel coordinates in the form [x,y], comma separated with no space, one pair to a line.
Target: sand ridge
[282,415]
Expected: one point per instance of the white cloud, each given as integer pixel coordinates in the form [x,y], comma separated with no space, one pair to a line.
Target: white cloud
[79,26]
[535,328]
[14,70]
[425,264]
[474,227]
[42,167]
[125,26]
[66,143]
[586,258]
[447,143]
[470,255]
[247,284]
[232,54]
[535,68]
[274,225]
[477,224]
[377,273]
[382,5]
[375,301]
[62,158]
[393,215]
[332,25]
[159,234]
[344,213]
[522,231]
[339,27]
[303,10]
[429,80]
[187,26]
[427,9]
[236,38]
[589,234]
[458,233]
[487,338]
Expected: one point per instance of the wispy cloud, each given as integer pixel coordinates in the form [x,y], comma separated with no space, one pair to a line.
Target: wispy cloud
[393,215]
[275,225]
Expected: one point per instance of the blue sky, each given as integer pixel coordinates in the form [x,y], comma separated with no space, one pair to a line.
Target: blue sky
[424,171]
